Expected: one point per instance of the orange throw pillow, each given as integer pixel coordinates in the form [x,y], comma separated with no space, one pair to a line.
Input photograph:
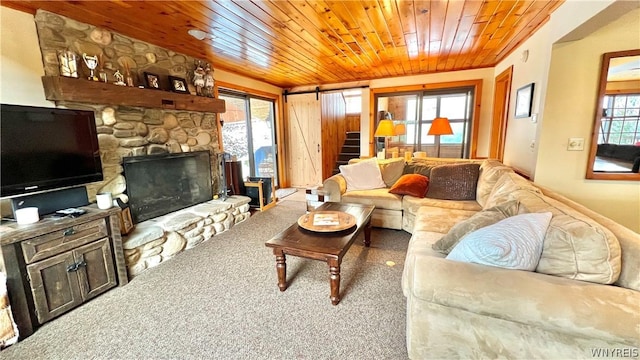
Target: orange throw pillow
[411,184]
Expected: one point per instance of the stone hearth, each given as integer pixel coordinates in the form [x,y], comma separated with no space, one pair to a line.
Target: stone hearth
[156,240]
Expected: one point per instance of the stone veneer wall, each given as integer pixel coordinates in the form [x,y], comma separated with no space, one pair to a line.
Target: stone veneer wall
[156,240]
[123,130]
[133,131]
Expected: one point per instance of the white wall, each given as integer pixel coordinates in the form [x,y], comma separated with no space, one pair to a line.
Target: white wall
[565,102]
[20,60]
[521,143]
[569,112]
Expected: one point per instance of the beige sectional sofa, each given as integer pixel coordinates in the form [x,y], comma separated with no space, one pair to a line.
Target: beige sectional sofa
[582,301]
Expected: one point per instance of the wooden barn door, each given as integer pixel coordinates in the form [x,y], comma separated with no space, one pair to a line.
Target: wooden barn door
[304,149]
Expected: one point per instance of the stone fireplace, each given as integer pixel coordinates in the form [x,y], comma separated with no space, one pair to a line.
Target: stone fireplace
[168,129]
[164,183]
[125,131]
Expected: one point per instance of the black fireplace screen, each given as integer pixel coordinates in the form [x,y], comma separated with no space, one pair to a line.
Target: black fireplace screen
[160,184]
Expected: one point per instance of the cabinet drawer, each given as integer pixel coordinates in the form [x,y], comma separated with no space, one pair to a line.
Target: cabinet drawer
[44,246]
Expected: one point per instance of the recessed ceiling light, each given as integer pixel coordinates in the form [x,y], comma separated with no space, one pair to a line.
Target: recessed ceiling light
[199,34]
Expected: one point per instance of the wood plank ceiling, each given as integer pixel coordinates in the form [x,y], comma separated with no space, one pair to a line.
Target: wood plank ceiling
[295,43]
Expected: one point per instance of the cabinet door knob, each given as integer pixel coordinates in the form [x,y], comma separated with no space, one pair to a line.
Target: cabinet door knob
[69,231]
[75,266]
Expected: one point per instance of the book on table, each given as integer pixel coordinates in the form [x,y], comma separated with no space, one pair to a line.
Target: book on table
[326,219]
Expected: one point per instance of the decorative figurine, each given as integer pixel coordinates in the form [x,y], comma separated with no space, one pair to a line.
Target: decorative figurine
[68,63]
[92,63]
[101,73]
[127,74]
[208,81]
[119,78]
[198,78]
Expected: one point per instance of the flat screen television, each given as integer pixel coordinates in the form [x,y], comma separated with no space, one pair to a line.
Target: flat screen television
[46,148]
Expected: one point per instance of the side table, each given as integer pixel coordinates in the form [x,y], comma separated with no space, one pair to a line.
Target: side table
[315,197]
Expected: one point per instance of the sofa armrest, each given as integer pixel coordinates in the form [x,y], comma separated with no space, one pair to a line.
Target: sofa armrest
[334,187]
[553,303]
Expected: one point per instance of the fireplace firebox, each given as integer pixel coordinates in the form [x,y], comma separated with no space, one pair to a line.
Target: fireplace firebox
[163,183]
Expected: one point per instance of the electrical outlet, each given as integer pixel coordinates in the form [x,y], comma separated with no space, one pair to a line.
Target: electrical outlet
[575,144]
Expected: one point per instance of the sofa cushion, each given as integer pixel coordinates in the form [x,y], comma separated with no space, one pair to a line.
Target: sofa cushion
[419,245]
[478,220]
[416,167]
[391,170]
[363,175]
[505,186]
[411,184]
[411,204]
[490,172]
[381,198]
[628,239]
[576,246]
[437,219]
[558,305]
[454,181]
[512,243]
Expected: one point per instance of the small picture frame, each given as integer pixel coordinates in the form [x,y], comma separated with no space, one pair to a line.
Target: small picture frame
[178,85]
[524,101]
[152,80]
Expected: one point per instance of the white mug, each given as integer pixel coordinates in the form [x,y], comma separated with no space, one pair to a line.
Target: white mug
[104,200]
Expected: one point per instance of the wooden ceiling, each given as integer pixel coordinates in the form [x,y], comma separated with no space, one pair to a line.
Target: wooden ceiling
[294,43]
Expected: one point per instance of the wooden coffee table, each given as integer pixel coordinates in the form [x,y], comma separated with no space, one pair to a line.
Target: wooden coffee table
[329,247]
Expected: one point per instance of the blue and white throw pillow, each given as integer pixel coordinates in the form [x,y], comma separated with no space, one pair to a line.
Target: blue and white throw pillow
[513,243]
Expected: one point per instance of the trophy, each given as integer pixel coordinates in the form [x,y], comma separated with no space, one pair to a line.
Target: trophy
[92,63]
[68,63]
[119,78]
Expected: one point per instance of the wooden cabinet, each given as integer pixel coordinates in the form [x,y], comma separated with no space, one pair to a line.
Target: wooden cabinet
[64,281]
[56,265]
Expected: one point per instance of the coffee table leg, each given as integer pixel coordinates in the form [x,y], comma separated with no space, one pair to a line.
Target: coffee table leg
[281,267]
[367,234]
[334,278]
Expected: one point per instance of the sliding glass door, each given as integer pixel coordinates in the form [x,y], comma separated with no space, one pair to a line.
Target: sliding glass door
[417,110]
[248,133]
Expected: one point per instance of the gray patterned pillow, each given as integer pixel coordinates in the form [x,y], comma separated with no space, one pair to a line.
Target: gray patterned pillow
[454,182]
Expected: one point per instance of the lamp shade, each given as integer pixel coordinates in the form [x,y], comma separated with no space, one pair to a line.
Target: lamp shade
[440,126]
[400,129]
[385,128]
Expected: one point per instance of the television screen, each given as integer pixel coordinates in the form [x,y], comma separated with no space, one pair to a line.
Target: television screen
[47,148]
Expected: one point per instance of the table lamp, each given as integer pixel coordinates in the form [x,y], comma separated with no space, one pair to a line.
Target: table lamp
[385,129]
[400,129]
[440,126]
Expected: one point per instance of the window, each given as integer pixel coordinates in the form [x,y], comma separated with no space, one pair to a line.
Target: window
[417,110]
[353,100]
[620,121]
[249,128]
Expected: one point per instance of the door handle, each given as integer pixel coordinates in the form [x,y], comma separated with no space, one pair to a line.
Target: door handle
[318,147]
[75,266]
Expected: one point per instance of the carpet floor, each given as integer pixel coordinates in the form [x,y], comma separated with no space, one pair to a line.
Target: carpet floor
[220,300]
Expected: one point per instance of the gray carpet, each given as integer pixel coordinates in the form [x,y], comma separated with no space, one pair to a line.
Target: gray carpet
[220,300]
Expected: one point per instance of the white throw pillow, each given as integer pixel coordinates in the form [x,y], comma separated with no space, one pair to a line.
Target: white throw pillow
[513,243]
[363,175]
